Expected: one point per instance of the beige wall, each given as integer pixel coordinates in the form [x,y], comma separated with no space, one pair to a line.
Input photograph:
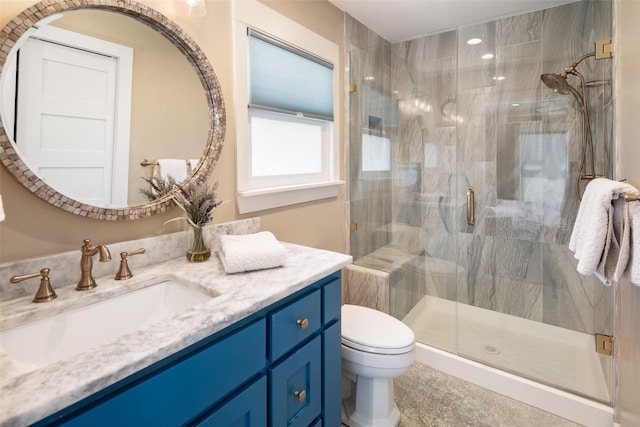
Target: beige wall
[35,228]
[628,137]
[628,90]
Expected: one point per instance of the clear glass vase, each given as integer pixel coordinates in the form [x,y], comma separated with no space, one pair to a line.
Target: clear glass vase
[197,249]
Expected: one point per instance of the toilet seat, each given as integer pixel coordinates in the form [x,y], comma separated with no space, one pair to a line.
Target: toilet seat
[373,331]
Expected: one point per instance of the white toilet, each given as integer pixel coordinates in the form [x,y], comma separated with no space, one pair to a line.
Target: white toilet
[376,348]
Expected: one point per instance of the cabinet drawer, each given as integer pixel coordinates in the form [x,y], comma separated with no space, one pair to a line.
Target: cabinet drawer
[247,409]
[331,301]
[293,324]
[295,387]
[180,392]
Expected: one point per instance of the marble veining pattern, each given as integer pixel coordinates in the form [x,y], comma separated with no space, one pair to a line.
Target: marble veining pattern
[29,397]
[461,120]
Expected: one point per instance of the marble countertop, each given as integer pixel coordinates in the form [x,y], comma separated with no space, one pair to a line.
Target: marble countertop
[28,397]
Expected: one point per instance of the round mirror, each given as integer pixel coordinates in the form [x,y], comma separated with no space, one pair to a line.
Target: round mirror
[94,101]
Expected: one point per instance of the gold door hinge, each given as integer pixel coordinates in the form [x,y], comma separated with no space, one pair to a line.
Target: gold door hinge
[353,226]
[353,88]
[604,48]
[604,344]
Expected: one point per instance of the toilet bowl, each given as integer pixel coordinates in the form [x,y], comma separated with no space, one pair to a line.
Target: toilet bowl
[376,348]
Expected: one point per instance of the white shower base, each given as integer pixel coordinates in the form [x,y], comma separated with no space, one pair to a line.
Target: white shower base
[549,354]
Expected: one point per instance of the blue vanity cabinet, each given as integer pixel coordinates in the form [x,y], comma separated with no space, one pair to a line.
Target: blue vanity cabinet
[175,394]
[280,367]
[247,409]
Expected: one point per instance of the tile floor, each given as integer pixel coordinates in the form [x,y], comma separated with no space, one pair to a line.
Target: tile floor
[429,398]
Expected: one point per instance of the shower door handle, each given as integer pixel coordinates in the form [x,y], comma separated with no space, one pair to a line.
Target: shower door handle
[470,211]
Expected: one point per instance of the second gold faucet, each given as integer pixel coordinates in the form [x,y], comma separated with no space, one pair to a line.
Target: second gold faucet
[86,264]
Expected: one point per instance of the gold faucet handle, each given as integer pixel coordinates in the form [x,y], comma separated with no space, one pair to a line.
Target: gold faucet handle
[136,252]
[45,291]
[124,272]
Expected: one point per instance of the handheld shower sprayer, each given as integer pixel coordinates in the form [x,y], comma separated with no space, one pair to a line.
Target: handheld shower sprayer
[560,84]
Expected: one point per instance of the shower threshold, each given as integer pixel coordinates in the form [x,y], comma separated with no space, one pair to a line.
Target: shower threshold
[548,354]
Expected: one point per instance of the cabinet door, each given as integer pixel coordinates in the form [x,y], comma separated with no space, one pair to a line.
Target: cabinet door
[186,389]
[295,387]
[332,375]
[247,409]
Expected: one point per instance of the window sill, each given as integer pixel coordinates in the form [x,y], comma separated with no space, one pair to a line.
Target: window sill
[268,198]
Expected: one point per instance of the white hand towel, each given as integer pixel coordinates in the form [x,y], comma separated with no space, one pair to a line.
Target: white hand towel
[629,259]
[594,223]
[247,252]
[193,164]
[177,168]
[1,210]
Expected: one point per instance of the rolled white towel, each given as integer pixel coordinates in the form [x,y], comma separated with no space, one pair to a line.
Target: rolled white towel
[248,252]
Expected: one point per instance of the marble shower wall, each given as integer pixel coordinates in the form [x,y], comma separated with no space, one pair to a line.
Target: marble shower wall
[456,119]
[519,146]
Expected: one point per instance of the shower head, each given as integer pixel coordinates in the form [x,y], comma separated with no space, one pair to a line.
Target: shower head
[557,82]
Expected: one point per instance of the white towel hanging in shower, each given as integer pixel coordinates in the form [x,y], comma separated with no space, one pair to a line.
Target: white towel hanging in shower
[596,234]
[629,260]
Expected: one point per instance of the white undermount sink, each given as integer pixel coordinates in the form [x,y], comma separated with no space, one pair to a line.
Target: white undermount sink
[40,343]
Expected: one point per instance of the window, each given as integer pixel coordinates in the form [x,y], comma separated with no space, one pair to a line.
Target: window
[286,95]
[376,153]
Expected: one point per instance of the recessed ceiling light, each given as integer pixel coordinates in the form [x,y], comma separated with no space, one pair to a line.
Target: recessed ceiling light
[369,78]
[515,104]
[474,41]
[499,78]
[487,56]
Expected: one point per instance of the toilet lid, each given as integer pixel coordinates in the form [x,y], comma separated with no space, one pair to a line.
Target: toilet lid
[373,331]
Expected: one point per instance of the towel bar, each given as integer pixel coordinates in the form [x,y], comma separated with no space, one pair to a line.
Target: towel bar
[630,197]
[146,162]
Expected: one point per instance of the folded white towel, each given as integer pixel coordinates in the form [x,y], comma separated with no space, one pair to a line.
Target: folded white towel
[629,259]
[247,252]
[177,168]
[594,226]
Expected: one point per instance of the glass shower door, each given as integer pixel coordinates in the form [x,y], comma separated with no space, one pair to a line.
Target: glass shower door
[523,307]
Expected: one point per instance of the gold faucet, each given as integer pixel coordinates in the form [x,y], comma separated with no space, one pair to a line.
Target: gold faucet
[86,264]
[124,272]
[45,291]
